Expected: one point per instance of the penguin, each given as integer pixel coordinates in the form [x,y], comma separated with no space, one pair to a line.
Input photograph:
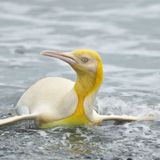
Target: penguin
[57,101]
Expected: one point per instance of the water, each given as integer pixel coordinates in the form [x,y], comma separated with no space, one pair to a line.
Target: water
[127,35]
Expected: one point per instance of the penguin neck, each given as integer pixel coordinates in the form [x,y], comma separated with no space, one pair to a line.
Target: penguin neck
[86,85]
[88,82]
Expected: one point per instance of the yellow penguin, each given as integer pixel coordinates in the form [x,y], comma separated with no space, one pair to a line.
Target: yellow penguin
[56,101]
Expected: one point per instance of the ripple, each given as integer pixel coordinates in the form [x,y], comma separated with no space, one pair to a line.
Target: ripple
[127,36]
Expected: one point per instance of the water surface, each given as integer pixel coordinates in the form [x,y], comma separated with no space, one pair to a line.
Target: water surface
[127,36]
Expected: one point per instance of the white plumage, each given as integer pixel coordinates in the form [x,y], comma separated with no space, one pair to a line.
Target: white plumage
[51,97]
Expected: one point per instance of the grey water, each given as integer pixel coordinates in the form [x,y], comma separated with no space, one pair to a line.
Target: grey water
[127,35]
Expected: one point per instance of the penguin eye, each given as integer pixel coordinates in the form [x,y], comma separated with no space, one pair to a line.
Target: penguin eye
[84,59]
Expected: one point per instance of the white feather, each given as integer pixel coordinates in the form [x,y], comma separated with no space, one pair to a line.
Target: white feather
[52,97]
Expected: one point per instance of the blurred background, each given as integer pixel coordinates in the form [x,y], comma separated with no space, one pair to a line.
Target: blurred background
[127,36]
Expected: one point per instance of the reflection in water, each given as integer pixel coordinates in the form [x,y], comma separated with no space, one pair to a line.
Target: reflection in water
[76,141]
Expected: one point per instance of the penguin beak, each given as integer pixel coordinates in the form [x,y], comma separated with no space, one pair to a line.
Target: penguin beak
[64,56]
